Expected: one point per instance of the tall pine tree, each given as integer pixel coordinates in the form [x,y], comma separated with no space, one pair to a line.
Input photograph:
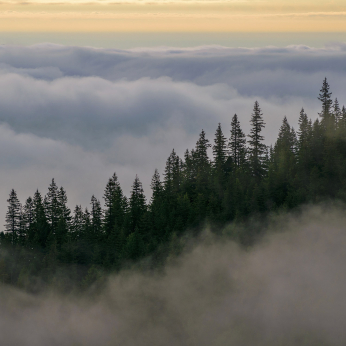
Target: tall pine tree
[115,204]
[325,98]
[237,143]
[257,149]
[13,216]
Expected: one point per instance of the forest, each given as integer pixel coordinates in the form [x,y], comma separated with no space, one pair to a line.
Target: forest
[44,242]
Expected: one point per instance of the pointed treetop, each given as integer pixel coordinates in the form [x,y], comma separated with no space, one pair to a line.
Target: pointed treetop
[336,110]
[237,142]
[325,98]
[219,148]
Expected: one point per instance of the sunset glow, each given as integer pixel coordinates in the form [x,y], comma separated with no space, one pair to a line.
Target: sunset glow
[165,16]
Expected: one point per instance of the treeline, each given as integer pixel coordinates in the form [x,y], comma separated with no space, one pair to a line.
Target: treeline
[244,177]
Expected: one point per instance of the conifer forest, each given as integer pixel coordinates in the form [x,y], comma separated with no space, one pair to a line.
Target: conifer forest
[43,238]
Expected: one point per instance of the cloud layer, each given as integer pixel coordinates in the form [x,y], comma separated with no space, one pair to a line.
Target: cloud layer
[78,114]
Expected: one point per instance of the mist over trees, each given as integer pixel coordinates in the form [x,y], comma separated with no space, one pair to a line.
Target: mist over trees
[244,177]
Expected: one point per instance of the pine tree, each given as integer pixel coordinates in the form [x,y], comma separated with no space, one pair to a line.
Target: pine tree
[64,210]
[52,207]
[237,143]
[57,214]
[157,208]
[137,205]
[202,162]
[219,174]
[156,186]
[87,224]
[189,173]
[96,218]
[201,151]
[173,174]
[325,98]
[337,111]
[28,214]
[317,158]
[304,131]
[40,230]
[77,226]
[257,148]
[115,204]
[219,150]
[342,123]
[13,216]
[286,138]
[304,151]
[284,160]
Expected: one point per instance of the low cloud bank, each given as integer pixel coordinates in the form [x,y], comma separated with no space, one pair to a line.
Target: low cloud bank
[289,289]
[79,114]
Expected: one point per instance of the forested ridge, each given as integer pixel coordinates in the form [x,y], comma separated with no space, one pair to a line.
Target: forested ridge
[43,236]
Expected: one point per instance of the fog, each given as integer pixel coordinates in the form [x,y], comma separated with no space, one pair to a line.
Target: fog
[287,289]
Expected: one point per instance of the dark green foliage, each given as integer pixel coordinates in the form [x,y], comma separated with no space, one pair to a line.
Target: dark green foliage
[283,161]
[241,181]
[115,206]
[13,216]
[257,148]
[237,144]
[325,98]
[51,205]
[219,150]
[137,206]
[336,110]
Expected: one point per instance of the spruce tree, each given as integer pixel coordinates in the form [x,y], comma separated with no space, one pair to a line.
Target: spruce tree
[137,205]
[189,173]
[284,160]
[219,172]
[286,138]
[115,205]
[28,214]
[157,208]
[317,159]
[336,110]
[342,124]
[52,205]
[202,162]
[13,216]
[96,219]
[219,150]
[201,151]
[64,210]
[77,224]
[304,131]
[257,148]
[325,98]
[237,143]
[156,186]
[304,147]
[173,174]
[40,229]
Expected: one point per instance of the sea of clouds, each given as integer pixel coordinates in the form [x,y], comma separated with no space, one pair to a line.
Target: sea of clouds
[78,114]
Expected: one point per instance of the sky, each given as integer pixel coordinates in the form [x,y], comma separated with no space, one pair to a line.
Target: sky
[93,88]
[173,16]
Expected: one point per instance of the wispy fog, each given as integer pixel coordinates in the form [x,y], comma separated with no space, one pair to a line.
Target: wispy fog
[289,289]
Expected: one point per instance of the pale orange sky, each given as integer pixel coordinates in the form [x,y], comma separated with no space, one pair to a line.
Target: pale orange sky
[178,16]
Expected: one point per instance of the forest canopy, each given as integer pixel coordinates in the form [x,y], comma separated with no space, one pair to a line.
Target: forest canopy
[245,177]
